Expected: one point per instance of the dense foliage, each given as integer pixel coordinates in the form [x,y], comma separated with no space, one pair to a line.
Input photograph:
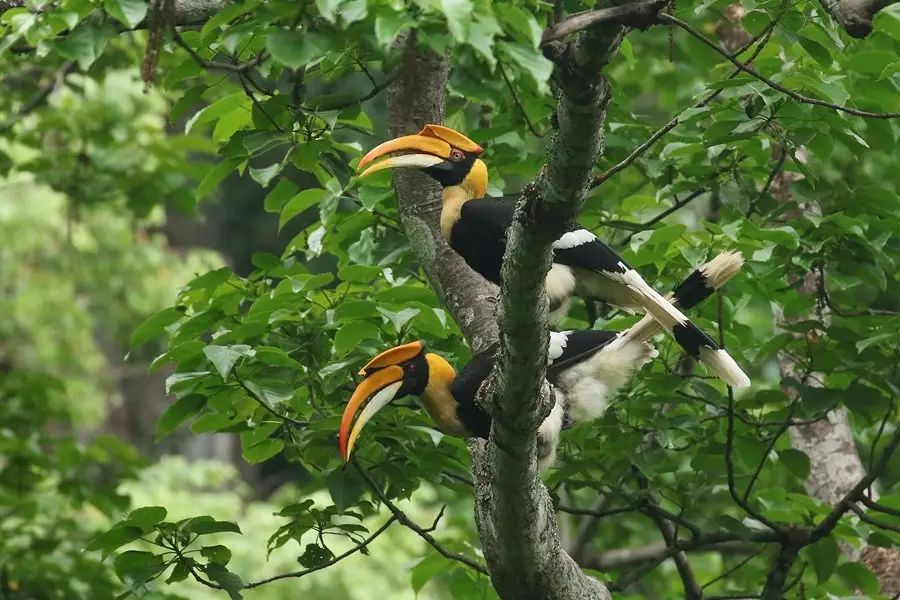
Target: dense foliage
[288,94]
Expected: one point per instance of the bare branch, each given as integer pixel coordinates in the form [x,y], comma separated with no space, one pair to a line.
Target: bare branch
[855,16]
[635,14]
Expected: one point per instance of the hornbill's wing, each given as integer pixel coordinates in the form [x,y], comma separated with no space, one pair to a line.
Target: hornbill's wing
[479,235]
[465,388]
[569,348]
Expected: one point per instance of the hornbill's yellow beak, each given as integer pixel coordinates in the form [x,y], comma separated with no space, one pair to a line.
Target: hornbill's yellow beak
[384,379]
[431,146]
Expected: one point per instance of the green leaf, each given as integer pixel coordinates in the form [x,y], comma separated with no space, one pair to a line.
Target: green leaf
[426,569]
[350,310]
[264,176]
[315,556]
[481,37]
[824,557]
[262,451]
[328,9]
[127,12]
[860,577]
[155,325]
[181,570]
[459,15]
[215,175]
[217,554]
[119,535]
[205,525]
[388,24]
[346,489]
[280,194]
[146,517]
[224,357]
[295,48]
[229,581]
[137,567]
[218,109]
[531,61]
[796,462]
[86,43]
[301,202]
[352,334]
[180,410]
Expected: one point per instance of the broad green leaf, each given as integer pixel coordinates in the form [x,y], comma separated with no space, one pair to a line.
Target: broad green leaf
[114,538]
[296,48]
[824,557]
[301,202]
[531,61]
[346,488]
[283,191]
[388,24]
[215,175]
[146,517]
[796,461]
[315,556]
[155,326]
[349,335]
[205,525]
[127,12]
[459,17]
[86,43]
[217,554]
[262,451]
[229,581]
[137,567]
[224,357]
[180,411]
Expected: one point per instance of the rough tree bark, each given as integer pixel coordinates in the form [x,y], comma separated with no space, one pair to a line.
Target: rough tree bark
[417,97]
[855,16]
[514,512]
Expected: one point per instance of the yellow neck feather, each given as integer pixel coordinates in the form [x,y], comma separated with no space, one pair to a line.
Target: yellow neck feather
[437,399]
[473,186]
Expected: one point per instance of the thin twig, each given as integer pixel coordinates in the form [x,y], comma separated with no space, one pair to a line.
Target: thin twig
[297,574]
[772,84]
[408,523]
[759,467]
[659,133]
[776,168]
[211,64]
[376,89]
[515,97]
[873,522]
[729,464]
[265,404]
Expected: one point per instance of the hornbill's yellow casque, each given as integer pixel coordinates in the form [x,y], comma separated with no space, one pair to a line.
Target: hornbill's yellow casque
[585,369]
[475,227]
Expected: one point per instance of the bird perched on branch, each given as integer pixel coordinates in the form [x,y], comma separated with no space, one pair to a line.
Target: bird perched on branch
[475,226]
[585,369]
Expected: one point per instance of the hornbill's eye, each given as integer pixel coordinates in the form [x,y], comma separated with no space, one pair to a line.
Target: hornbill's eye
[457,155]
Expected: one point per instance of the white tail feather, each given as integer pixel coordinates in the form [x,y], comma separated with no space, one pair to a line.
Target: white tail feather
[722,268]
[720,364]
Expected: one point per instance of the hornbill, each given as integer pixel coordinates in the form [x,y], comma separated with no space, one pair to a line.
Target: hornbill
[475,227]
[585,369]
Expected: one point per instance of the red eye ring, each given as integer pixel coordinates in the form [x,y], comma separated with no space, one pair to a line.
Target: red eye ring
[456,154]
